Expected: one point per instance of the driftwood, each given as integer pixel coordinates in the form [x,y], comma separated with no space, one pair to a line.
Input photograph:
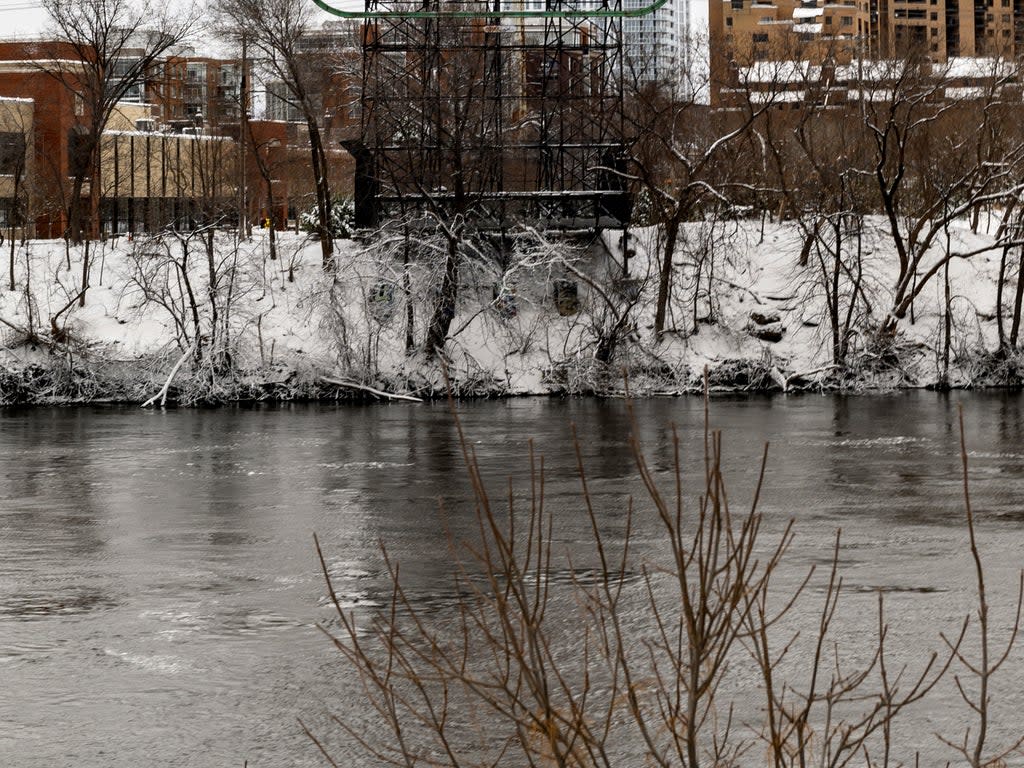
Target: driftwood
[162,394]
[363,388]
[783,381]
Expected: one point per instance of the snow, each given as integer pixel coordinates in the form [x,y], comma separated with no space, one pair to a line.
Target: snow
[976,67]
[807,13]
[763,97]
[965,92]
[347,326]
[779,72]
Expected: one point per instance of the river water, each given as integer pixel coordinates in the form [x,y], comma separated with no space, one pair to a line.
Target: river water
[160,592]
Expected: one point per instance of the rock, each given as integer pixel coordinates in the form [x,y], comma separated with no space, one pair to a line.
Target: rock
[768,333]
[764,318]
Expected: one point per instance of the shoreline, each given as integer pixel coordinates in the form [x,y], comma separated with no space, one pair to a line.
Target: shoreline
[157,322]
[79,385]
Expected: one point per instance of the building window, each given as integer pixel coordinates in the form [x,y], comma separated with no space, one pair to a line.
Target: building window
[760,37]
[728,21]
[12,152]
[846,21]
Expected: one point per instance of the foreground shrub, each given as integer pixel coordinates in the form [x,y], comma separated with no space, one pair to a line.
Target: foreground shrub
[692,658]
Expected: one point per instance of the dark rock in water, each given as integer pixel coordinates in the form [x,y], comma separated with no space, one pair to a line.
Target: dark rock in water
[764,319]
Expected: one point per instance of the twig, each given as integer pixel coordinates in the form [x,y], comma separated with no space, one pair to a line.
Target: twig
[12,326]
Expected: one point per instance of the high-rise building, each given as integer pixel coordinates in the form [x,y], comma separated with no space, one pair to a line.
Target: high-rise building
[657,46]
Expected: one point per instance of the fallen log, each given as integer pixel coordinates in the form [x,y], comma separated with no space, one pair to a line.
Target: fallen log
[363,388]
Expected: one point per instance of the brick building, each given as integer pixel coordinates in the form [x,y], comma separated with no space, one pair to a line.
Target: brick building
[149,178]
[184,87]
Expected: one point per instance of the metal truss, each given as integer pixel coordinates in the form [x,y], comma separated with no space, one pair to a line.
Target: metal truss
[492,112]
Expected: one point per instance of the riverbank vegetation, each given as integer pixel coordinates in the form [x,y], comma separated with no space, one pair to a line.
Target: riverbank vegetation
[695,651]
[201,316]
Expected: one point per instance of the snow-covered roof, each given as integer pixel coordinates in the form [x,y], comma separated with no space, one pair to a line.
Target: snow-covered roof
[867,94]
[766,97]
[807,13]
[779,72]
[872,71]
[971,92]
[962,66]
[955,69]
[164,135]
[807,28]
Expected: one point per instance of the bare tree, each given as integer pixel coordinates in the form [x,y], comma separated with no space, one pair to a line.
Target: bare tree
[685,155]
[279,29]
[936,156]
[15,151]
[814,163]
[112,44]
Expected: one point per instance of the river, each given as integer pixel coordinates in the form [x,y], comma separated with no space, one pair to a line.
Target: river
[160,592]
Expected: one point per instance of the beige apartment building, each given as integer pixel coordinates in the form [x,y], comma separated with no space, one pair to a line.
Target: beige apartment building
[746,31]
[795,51]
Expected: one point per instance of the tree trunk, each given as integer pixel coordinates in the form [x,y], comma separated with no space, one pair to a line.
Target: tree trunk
[16,216]
[74,229]
[270,215]
[323,193]
[216,354]
[12,258]
[410,310]
[838,353]
[444,311]
[94,195]
[805,249]
[85,275]
[665,277]
[1000,285]
[1017,300]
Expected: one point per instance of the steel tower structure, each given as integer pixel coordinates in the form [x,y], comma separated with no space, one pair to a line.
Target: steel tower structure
[493,111]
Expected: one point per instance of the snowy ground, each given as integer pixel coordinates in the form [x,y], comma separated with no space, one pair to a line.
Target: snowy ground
[258,335]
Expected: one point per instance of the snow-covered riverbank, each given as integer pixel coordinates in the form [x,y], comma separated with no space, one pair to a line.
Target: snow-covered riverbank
[238,328]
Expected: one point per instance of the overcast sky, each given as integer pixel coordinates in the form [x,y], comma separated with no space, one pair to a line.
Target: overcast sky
[22,17]
[27,17]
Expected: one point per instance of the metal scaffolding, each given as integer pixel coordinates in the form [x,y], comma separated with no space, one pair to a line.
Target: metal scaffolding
[493,112]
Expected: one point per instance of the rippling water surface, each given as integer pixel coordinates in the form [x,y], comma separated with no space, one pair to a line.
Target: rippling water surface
[159,589]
